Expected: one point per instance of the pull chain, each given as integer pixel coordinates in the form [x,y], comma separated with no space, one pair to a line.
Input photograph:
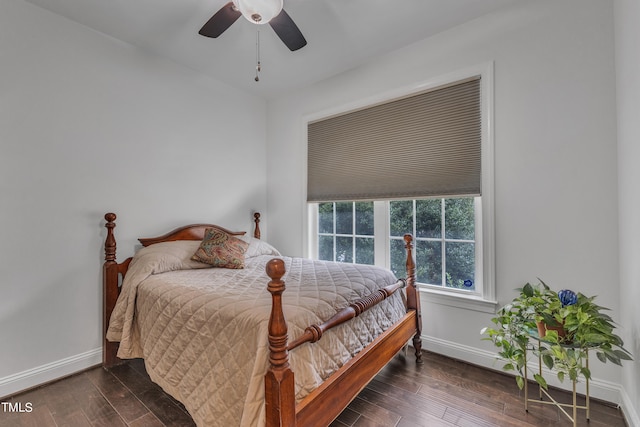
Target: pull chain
[257,55]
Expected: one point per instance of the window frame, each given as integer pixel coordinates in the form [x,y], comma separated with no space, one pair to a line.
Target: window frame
[485,301]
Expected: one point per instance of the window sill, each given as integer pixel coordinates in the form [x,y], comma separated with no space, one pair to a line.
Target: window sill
[466,302]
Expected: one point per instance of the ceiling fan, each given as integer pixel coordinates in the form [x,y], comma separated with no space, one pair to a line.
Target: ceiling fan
[257,12]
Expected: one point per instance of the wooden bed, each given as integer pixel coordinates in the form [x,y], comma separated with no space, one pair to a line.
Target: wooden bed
[324,404]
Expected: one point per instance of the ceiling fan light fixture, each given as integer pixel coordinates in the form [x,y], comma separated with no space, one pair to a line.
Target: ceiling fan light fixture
[259,11]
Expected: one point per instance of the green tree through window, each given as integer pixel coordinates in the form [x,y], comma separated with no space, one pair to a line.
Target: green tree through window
[443,228]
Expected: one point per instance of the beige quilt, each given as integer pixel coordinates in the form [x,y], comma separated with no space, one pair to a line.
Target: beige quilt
[203,331]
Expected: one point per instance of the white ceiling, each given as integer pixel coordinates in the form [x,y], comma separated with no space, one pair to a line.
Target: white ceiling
[341,34]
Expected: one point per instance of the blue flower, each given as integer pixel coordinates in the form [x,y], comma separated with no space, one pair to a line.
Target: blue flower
[567,297]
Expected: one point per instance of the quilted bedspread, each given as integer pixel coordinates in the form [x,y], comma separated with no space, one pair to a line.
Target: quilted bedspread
[203,331]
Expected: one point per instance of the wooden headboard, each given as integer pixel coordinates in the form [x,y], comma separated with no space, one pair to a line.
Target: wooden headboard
[196,232]
[113,271]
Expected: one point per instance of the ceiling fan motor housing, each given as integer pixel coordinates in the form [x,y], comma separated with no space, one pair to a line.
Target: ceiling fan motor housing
[259,11]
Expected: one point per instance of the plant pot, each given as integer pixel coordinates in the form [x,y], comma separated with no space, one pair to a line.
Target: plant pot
[543,328]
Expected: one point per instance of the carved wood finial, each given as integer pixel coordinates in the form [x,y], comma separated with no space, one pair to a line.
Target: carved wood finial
[110,242]
[275,270]
[256,220]
[279,357]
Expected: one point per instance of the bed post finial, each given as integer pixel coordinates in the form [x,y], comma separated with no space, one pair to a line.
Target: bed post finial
[413,299]
[256,220]
[279,383]
[110,242]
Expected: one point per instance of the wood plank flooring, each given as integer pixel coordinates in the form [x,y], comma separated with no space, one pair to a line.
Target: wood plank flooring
[441,392]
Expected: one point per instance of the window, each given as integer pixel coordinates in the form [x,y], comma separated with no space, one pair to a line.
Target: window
[444,241]
[444,231]
[425,158]
[345,232]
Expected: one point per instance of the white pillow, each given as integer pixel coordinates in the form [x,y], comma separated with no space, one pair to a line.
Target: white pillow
[258,247]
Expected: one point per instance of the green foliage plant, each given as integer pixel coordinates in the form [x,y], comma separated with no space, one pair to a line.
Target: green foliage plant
[585,326]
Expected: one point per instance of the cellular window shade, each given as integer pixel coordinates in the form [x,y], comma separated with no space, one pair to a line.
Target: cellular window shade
[422,145]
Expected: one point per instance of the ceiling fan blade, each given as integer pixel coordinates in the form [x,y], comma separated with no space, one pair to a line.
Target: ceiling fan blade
[288,31]
[222,20]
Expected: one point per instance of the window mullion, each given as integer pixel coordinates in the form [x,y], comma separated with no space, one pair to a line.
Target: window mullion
[335,230]
[443,250]
[353,231]
[381,233]
[313,242]
[414,231]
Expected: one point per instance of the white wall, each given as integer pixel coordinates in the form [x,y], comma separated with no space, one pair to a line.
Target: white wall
[627,15]
[555,154]
[90,125]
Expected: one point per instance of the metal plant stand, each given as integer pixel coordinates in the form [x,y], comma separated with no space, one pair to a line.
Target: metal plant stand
[542,392]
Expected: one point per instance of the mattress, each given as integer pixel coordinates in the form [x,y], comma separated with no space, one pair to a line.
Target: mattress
[203,331]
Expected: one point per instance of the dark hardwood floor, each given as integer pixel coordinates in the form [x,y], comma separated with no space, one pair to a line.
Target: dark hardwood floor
[441,392]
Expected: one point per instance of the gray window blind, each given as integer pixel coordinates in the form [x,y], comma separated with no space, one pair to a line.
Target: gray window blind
[422,145]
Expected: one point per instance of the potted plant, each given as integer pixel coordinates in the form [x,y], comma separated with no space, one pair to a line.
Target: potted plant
[567,324]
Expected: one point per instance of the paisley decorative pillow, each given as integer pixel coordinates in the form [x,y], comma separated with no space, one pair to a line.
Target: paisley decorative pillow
[220,249]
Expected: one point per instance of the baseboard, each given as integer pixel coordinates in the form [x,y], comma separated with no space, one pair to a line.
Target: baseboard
[30,378]
[599,389]
[630,411]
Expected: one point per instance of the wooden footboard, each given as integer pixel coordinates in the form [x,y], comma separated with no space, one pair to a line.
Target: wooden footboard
[325,403]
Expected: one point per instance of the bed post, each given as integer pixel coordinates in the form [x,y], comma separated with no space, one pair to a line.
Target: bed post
[110,271]
[413,298]
[280,405]
[256,220]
